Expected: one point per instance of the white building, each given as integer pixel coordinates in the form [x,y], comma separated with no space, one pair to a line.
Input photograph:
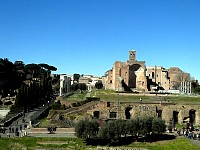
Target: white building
[186,87]
[95,80]
[65,84]
[90,81]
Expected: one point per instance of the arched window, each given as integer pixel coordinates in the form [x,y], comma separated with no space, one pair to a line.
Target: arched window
[152,75]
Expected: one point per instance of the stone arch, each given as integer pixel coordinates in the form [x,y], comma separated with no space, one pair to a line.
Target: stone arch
[132,75]
[96,114]
[192,116]
[159,113]
[127,112]
[175,117]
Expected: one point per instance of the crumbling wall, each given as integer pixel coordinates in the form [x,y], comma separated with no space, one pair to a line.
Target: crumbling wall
[142,109]
[197,119]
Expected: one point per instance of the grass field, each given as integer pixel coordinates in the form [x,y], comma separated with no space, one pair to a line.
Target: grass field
[76,96]
[28,143]
[108,95]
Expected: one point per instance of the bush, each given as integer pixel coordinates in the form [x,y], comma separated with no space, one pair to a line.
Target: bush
[87,129]
[58,106]
[99,85]
[158,126]
[113,130]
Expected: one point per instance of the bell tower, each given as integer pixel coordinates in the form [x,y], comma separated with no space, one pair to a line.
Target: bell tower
[132,54]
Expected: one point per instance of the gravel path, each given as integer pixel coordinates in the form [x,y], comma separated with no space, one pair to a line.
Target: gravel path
[196,142]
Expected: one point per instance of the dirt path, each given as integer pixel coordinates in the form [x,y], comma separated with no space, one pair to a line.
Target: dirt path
[196,142]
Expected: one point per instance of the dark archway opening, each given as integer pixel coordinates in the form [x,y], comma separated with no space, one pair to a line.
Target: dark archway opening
[96,114]
[127,112]
[175,117]
[108,104]
[132,75]
[192,115]
[113,115]
[159,112]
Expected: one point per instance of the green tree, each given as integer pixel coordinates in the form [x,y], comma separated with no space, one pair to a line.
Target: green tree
[74,87]
[99,85]
[8,77]
[82,86]
[196,90]
[106,131]
[87,129]
[33,70]
[146,125]
[76,77]
[19,65]
[80,129]
[122,127]
[158,126]
[47,68]
[134,126]
[111,131]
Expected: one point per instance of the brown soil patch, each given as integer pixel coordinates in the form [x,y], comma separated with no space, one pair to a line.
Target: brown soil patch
[52,142]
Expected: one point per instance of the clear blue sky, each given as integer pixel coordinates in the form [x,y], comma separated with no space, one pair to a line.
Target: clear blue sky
[87,36]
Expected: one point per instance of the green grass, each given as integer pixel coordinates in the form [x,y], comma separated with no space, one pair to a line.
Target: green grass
[108,95]
[75,143]
[177,144]
[185,99]
[41,143]
[76,96]
[45,123]
[179,126]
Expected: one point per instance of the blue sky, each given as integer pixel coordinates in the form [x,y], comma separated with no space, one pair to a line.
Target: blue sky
[87,36]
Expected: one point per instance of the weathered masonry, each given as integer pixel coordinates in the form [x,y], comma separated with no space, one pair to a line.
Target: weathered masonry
[169,112]
[134,75]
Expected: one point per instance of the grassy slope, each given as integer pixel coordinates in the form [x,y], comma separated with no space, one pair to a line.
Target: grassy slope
[33,143]
[106,95]
[177,144]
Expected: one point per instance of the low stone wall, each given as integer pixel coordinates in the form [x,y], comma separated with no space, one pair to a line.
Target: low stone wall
[58,130]
[183,113]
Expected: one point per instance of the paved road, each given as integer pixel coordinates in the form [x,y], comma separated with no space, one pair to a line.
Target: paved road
[23,122]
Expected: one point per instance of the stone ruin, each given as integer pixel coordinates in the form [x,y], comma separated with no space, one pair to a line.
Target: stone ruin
[171,113]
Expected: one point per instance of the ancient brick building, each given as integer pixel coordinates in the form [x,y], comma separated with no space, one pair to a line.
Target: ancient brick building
[177,76]
[134,75]
[170,112]
[158,77]
[127,75]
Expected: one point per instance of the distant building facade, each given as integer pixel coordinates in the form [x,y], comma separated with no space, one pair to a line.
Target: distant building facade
[65,84]
[186,87]
[177,76]
[90,81]
[134,75]
[127,75]
[157,77]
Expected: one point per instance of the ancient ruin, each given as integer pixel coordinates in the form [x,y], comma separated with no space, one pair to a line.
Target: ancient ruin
[134,75]
[170,112]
